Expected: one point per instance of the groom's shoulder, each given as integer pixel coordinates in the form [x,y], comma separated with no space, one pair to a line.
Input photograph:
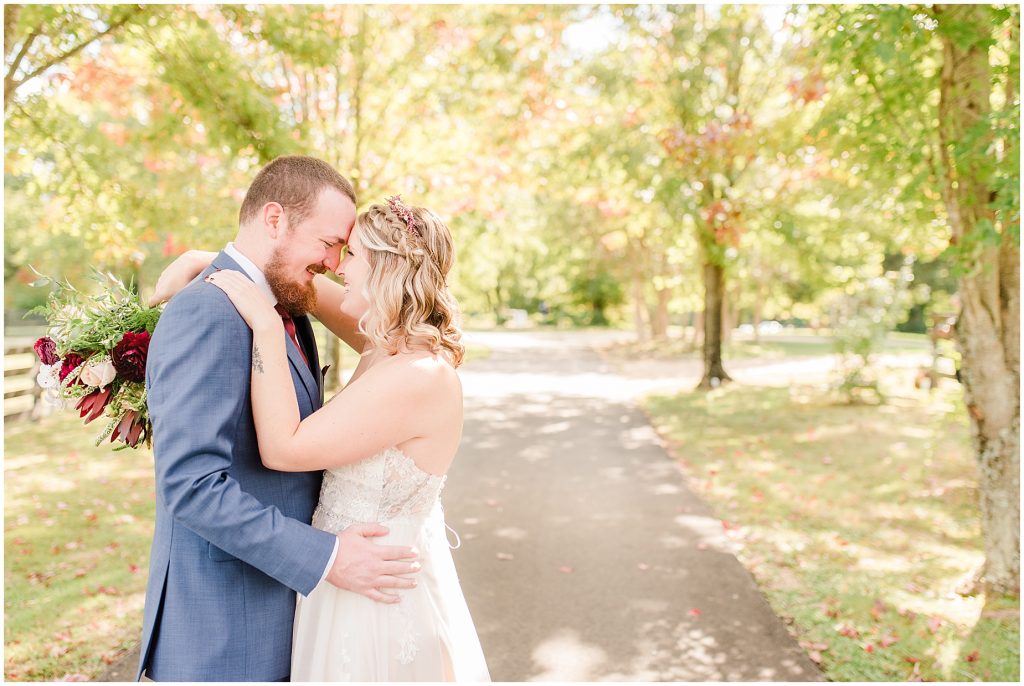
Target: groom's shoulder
[201,302]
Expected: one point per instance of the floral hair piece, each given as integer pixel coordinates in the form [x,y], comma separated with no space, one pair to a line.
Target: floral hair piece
[403,211]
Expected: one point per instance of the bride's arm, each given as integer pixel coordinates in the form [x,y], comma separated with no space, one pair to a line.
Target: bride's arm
[179,274]
[329,295]
[388,406]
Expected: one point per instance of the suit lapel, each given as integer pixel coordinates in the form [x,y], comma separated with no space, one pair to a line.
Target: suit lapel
[304,332]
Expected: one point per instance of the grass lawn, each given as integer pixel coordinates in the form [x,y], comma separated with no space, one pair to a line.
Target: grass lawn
[78,522]
[856,521]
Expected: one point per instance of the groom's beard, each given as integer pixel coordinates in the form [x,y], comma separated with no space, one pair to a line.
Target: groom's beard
[297,298]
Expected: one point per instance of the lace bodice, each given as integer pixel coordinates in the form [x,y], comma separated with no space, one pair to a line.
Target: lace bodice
[386,486]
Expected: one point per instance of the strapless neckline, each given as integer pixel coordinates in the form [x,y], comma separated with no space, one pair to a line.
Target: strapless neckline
[395,450]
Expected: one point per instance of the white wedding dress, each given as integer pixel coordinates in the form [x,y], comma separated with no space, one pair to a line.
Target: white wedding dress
[429,636]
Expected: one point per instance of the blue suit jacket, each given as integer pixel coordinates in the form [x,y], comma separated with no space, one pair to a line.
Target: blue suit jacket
[233,542]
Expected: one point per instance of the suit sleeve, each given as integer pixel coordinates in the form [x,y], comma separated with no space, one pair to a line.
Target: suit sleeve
[197,382]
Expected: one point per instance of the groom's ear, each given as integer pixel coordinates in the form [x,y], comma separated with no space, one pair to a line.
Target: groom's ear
[274,220]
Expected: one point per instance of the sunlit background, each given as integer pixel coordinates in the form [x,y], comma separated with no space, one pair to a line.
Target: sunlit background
[703,193]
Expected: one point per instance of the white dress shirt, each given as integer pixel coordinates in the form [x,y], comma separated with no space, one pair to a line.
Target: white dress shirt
[256,274]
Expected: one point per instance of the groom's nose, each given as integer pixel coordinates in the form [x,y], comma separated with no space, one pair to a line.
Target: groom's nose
[333,259]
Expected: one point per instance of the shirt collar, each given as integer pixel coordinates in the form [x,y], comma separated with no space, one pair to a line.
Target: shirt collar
[254,272]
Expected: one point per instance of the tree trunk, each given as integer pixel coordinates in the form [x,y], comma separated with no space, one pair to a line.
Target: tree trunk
[334,380]
[714,284]
[758,316]
[639,305]
[728,316]
[697,321]
[988,326]
[659,322]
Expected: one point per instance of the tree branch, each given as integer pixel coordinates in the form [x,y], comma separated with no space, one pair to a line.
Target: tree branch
[81,46]
[9,84]
[11,13]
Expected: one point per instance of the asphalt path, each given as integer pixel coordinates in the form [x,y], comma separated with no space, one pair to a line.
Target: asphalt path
[584,556]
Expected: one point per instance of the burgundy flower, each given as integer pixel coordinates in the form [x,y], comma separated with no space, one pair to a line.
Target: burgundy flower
[91,406]
[129,356]
[46,349]
[131,429]
[71,362]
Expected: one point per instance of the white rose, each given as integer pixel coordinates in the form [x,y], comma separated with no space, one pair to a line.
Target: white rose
[98,374]
[48,376]
[52,397]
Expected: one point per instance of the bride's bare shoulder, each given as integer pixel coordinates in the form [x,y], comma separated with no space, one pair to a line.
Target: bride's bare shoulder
[424,371]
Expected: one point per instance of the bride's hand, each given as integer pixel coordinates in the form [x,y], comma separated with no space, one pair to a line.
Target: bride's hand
[254,307]
[179,274]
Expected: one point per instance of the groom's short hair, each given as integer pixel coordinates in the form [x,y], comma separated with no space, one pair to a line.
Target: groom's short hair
[294,182]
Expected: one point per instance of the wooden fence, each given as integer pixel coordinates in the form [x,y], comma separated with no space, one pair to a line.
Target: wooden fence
[22,396]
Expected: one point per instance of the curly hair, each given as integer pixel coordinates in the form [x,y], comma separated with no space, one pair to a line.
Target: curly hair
[407,287]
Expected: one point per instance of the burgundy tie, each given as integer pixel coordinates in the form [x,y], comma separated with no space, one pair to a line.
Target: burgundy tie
[289,326]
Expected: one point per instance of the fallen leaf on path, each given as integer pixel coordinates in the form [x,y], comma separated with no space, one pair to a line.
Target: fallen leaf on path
[909,614]
[643,567]
[504,556]
[849,631]
[695,612]
[566,569]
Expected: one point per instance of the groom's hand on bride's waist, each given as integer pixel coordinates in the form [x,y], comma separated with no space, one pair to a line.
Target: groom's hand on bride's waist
[372,570]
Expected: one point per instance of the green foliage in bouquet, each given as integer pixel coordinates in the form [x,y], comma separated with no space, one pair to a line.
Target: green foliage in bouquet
[95,354]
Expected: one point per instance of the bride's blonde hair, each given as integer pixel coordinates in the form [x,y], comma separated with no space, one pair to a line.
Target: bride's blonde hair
[410,252]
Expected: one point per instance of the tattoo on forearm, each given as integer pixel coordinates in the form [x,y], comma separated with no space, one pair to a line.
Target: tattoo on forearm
[257,360]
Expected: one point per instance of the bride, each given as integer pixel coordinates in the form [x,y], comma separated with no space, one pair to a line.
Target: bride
[386,442]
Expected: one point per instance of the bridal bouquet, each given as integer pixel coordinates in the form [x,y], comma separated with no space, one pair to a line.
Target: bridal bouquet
[95,356]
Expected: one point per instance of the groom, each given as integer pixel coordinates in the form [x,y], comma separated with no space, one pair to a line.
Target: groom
[233,543]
